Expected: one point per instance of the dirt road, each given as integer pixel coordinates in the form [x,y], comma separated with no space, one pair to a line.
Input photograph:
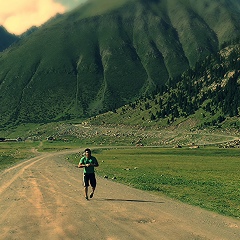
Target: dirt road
[42,198]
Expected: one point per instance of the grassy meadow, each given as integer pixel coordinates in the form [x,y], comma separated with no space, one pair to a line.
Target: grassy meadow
[205,177]
[12,152]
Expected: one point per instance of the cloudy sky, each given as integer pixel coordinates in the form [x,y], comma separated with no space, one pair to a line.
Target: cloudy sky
[19,15]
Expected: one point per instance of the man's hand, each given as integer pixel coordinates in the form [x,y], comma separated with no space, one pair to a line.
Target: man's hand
[87,165]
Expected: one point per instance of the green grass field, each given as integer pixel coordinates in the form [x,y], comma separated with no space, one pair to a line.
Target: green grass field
[205,177]
[11,153]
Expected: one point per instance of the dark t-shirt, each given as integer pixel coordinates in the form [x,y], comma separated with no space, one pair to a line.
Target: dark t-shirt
[85,160]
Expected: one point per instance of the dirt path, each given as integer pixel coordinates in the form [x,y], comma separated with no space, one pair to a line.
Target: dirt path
[42,198]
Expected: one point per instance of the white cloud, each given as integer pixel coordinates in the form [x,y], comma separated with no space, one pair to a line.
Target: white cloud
[19,15]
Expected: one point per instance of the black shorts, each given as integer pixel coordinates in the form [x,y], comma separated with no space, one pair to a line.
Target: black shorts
[89,178]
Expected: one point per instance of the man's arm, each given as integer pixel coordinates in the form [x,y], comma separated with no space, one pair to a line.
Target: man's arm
[95,163]
[81,164]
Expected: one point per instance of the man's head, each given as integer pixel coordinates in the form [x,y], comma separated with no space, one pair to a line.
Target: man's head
[87,152]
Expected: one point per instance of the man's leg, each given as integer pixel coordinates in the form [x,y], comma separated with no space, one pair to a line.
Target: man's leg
[91,194]
[93,183]
[86,192]
[86,184]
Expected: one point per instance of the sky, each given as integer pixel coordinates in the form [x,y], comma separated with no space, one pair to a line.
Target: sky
[19,15]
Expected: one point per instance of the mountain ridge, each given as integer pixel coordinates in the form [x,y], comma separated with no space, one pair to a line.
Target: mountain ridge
[80,65]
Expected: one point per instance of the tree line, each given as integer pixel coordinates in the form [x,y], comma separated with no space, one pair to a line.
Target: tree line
[213,85]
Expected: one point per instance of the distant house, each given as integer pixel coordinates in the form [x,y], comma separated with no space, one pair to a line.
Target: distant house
[177,146]
[195,146]
[11,140]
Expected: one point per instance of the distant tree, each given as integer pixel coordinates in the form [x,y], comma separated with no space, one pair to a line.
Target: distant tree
[208,107]
[158,114]
[160,103]
[175,112]
[147,106]
[232,96]
[153,117]
[132,105]
[220,119]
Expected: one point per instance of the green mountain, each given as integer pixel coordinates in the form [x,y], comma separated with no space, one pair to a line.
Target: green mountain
[6,38]
[203,96]
[28,32]
[107,53]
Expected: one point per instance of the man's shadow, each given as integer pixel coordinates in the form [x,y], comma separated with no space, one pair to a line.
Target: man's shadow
[128,200]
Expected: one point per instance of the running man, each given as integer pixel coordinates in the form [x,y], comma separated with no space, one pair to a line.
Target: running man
[88,162]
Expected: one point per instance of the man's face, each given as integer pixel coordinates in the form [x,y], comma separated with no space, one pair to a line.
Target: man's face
[88,154]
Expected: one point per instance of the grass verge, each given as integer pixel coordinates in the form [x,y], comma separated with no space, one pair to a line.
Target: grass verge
[12,152]
[205,177]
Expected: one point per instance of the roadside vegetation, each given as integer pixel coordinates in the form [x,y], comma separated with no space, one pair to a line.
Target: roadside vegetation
[12,153]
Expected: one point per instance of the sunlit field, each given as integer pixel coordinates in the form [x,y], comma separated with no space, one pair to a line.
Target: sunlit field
[205,177]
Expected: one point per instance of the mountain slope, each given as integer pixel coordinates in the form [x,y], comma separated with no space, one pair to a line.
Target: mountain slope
[206,95]
[107,53]
[6,39]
